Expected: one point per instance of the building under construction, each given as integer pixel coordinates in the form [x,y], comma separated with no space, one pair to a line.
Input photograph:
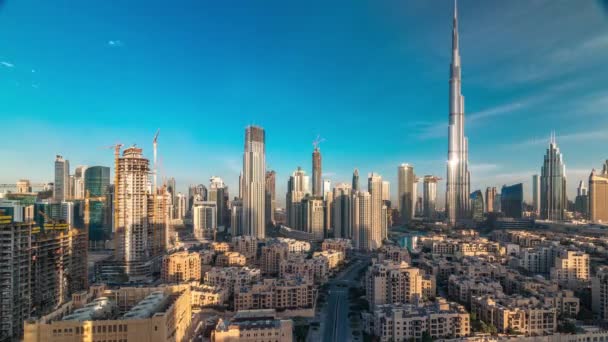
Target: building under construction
[40,267]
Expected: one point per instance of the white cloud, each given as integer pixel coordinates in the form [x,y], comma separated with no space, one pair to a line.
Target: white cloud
[115,43]
[7,64]
[583,136]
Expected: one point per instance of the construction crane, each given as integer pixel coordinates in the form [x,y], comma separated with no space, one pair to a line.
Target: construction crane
[155,145]
[317,141]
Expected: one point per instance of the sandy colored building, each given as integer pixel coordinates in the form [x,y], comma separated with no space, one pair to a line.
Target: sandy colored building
[221,247]
[231,259]
[127,314]
[334,258]
[389,282]
[394,253]
[253,326]
[298,266]
[337,244]
[404,322]
[571,268]
[599,293]
[279,294]
[207,295]
[598,195]
[271,257]
[181,267]
[246,245]
[231,277]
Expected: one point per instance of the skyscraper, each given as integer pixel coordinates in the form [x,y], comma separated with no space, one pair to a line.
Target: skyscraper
[317,175]
[204,220]
[386,191]
[378,223]
[356,180]
[477,205]
[581,202]
[180,206]
[61,191]
[536,194]
[342,206]
[313,217]
[429,192]
[96,183]
[406,196]
[236,217]
[598,195]
[271,179]
[553,184]
[458,176]
[512,200]
[490,199]
[326,188]
[132,207]
[195,193]
[218,193]
[78,182]
[361,217]
[297,189]
[254,182]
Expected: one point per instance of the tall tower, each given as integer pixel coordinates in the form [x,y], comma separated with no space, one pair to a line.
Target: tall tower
[458,176]
[553,184]
[341,213]
[406,196]
[377,224]
[297,189]
[598,196]
[355,186]
[253,182]
[317,181]
[271,179]
[62,179]
[429,191]
[490,199]
[536,194]
[131,244]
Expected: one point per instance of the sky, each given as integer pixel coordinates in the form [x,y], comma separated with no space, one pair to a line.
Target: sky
[371,77]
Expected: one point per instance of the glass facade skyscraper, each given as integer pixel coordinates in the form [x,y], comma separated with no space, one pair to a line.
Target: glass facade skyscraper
[512,200]
[477,205]
[96,183]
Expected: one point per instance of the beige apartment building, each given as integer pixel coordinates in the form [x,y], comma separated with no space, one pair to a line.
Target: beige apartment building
[181,267]
[337,244]
[404,322]
[279,294]
[127,314]
[221,247]
[598,195]
[334,258]
[253,326]
[389,282]
[246,245]
[298,266]
[571,268]
[207,295]
[599,293]
[271,257]
[394,253]
[231,259]
[231,277]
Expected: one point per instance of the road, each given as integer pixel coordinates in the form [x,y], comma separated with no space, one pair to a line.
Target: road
[337,325]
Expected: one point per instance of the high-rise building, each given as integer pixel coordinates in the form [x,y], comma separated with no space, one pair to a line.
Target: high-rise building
[96,184]
[313,217]
[236,217]
[406,197]
[254,182]
[429,191]
[218,192]
[512,200]
[581,202]
[386,191]
[317,173]
[497,204]
[490,199]
[78,182]
[180,205]
[477,205]
[172,189]
[326,188]
[458,176]
[271,179]
[204,220]
[355,185]
[553,184]
[131,236]
[61,190]
[342,208]
[329,212]
[536,194]
[196,193]
[361,220]
[297,189]
[598,195]
[378,223]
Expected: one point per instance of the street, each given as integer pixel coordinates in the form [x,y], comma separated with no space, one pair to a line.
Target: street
[336,326]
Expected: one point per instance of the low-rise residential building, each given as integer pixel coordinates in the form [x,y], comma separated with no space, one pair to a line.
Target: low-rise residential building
[599,293]
[231,277]
[221,247]
[394,253]
[338,244]
[246,245]
[279,294]
[334,258]
[390,282]
[181,267]
[207,295]
[253,326]
[461,288]
[126,314]
[271,256]
[405,322]
[571,268]
[298,266]
[231,259]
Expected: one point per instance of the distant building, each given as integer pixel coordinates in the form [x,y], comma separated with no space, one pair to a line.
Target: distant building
[355,184]
[297,189]
[429,192]
[361,222]
[180,206]
[581,202]
[536,194]
[253,182]
[204,220]
[553,184]
[512,200]
[248,323]
[317,173]
[236,218]
[96,184]
[598,195]
[24,186]
[342,204]
[181,267]
[61,191]
[271,178]
[313,212]
[491,199]
[406,181]
[378,231]
[477,205]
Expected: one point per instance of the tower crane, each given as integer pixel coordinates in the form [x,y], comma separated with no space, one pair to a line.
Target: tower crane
[317,141]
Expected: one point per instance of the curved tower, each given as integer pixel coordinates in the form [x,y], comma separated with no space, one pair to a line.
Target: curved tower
[458,177]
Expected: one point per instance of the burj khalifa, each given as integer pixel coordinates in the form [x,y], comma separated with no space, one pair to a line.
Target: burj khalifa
[458,176]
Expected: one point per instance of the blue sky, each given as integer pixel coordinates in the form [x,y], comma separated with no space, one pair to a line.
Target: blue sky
[369,76]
